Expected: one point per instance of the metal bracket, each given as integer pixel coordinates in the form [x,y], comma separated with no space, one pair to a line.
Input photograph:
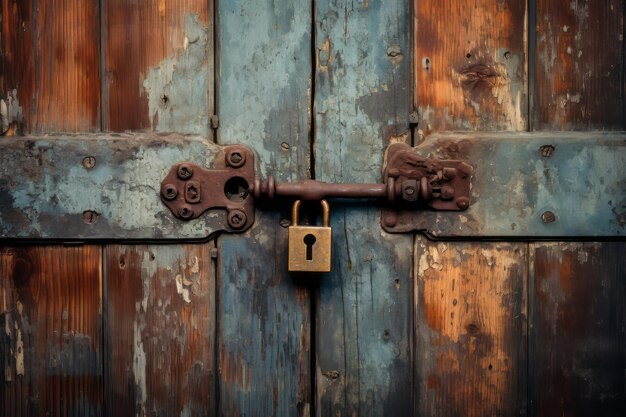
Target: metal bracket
[443,185]
[189,190]
[410,182]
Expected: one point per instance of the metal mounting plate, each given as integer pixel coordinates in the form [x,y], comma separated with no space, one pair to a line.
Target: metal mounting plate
[99,186]
[528,185]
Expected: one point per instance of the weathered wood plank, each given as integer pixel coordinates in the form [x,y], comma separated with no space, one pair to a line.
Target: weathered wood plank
[531,185]
[264,102]
[578,339]
[362,102]
[50,65]
[470,65]
[160,327]
[579,73]
[159,65]
[470,328]
[45,189]
[51,345]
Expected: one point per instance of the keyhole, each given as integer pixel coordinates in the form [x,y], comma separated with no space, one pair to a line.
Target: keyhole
[309,241]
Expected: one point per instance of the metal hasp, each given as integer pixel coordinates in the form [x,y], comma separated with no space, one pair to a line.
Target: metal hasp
[189,190]
[410,182]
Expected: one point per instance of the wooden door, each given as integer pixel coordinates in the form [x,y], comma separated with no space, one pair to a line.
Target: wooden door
[117,308]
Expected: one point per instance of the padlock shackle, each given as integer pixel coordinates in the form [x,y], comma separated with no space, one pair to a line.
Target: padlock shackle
[325,213]
[295,213]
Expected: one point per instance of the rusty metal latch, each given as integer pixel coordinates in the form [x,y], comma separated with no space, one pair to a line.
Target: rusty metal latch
[409,182]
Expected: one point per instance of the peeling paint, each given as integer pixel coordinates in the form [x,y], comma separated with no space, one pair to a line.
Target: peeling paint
[177,87]
[139,371]
[11,117]
[19,351]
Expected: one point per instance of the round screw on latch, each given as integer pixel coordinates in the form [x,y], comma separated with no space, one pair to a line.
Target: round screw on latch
[169,192]
[548,217]
[185,213]
[237,219]
[89,162]
[90,216]
[184,172]
[235,158]
[409,190]
[462,203]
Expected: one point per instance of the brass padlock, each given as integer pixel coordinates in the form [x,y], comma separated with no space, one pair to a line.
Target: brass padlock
[310,246]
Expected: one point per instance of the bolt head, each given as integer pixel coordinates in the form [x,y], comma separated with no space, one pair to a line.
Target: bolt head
[235,158]
[462,203]
[184,172]
[548,217]
[169,192]
[185,212]
[237,219]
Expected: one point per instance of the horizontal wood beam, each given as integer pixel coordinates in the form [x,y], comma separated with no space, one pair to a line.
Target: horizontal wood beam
[531,185]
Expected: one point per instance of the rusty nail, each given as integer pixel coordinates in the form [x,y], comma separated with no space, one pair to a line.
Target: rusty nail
[185,212]
[462,203]
[89,162]
[548,217]
[184,172]
[285,223]
[237,219]
[90,216]
[169,192]
[235,158]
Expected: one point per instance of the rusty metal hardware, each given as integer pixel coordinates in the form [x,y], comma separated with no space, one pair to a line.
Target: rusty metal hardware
[189,190]
[409,182]
[310,246]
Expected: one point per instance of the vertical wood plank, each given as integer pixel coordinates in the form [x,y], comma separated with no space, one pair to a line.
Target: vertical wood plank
[264,313]
[470,328]
[578,341]
[470,65]
[159,65]
[160,324]
[50,65]
[362,102]
[580,74]
[50,344]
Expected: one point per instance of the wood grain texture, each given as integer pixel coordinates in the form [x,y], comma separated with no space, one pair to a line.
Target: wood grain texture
[362,101]
[159,65]
[264,313]
[470,65]
[580,74]
[160,326]
[578,342]
[51,345]
[470,328]
[50,64]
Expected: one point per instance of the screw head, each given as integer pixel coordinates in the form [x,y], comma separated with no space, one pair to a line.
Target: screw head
[89,162]
[184,172]
[169,191]
[462,203]
[237,219]
[235,158]
[548,217]
[185,212]
[90,216]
